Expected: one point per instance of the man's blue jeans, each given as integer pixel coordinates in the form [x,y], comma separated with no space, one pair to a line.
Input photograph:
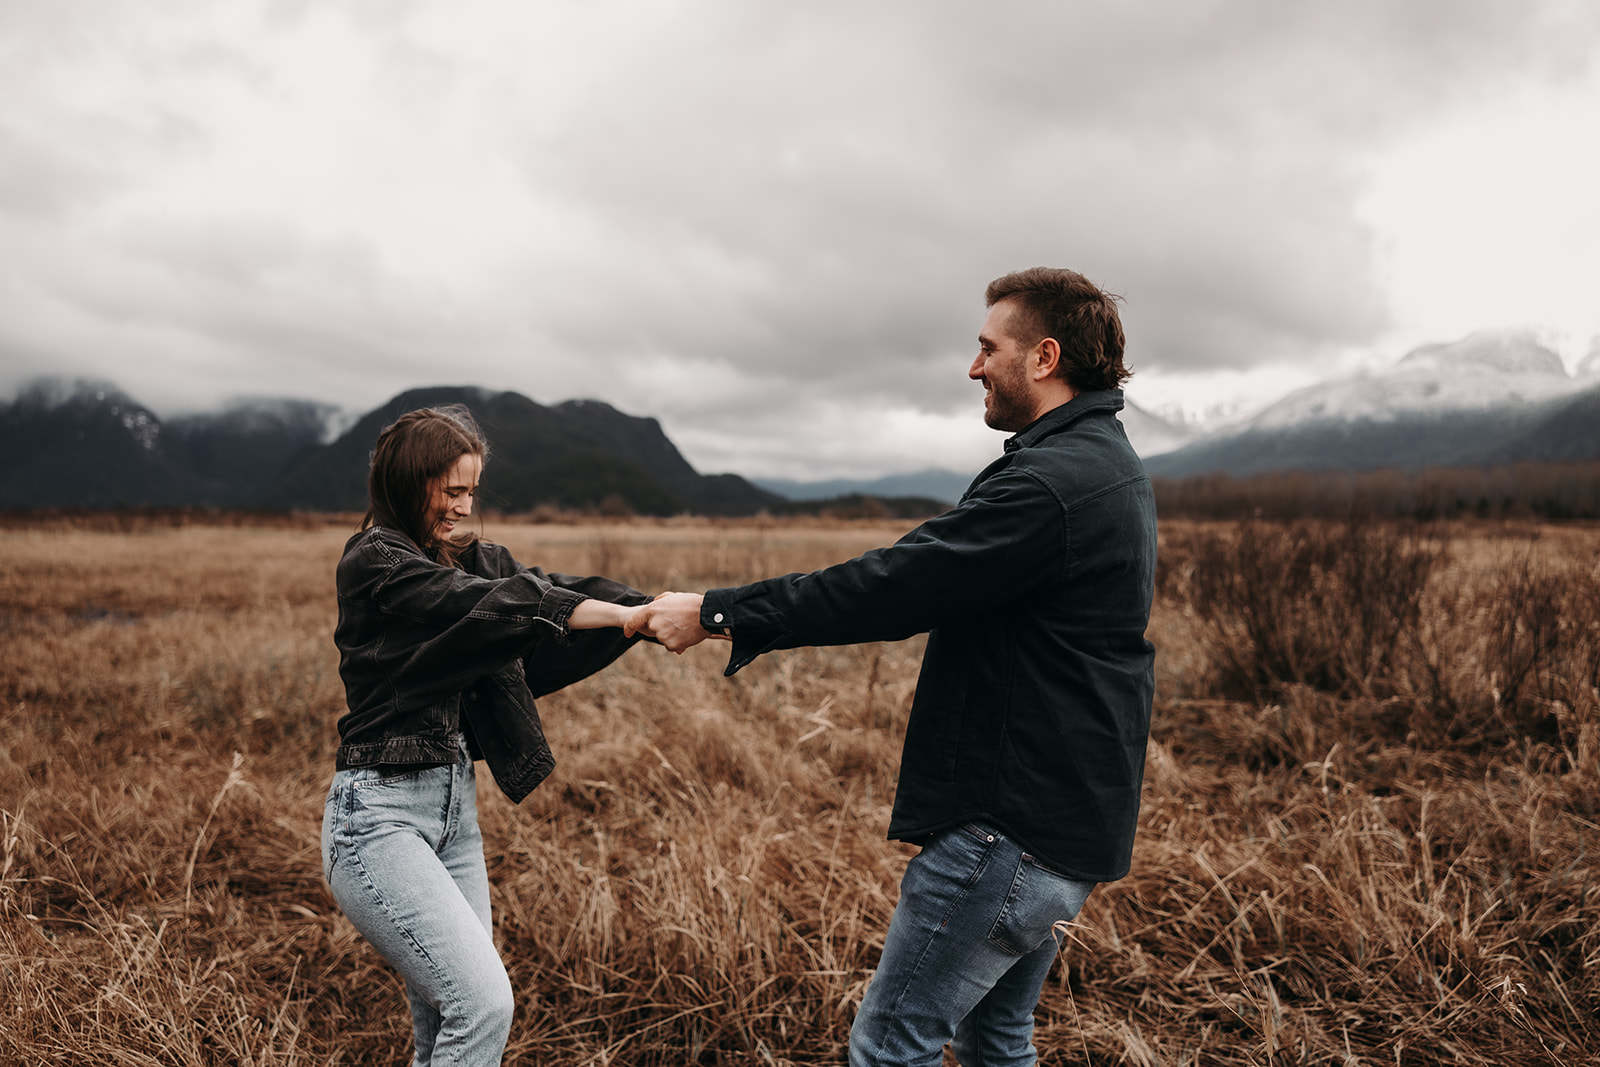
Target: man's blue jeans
[966,955]
[404,858]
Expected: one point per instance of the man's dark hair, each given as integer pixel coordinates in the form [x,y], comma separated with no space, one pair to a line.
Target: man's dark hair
[1052,302]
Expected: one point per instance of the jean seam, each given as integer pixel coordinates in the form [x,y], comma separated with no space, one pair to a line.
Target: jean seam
[332,808]
[461,780]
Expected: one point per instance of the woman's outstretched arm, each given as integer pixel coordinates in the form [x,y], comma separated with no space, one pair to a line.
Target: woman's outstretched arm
[593,614]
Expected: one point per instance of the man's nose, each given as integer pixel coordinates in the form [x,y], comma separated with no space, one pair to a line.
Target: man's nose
[975,372]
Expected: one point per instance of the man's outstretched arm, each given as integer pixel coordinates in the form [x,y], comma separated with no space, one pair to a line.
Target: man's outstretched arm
[989,551]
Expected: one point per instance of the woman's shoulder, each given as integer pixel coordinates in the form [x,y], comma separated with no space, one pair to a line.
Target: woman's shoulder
[381,548]
[376,548]
[489,560]
[380,539]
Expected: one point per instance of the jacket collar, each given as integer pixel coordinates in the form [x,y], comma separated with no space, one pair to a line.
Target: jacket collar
[1059,418]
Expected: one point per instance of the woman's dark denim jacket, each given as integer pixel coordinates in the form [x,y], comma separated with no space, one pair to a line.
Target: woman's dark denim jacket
[429,653]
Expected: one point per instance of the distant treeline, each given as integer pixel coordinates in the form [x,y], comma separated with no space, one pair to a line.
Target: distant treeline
[1521,490]
[141,519]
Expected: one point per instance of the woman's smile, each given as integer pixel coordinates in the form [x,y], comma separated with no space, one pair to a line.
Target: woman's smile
[453,494]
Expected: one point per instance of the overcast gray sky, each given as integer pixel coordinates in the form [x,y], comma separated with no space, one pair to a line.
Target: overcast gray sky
[771,225]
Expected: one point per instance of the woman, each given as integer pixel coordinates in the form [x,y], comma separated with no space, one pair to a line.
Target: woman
[444,641]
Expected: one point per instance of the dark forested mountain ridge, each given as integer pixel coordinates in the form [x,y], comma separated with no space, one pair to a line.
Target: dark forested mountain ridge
[579,454]
[88,444]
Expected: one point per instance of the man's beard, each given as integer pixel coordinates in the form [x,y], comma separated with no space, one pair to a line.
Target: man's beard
[1008,406]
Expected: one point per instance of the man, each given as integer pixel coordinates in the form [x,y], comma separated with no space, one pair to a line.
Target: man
[1024,750]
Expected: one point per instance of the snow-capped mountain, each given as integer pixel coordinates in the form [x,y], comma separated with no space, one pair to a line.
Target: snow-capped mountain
[1151,435]
[1589,366]
[1492,370]
[1493,396]
[1502,351]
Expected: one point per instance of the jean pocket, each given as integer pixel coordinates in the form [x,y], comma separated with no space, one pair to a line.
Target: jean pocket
[967,850]
[1037,901]
[383,787]
[380,780]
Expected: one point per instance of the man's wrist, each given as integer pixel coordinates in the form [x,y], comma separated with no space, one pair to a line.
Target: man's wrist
[715,618]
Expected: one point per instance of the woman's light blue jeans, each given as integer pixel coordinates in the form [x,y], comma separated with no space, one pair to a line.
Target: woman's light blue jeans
[966,955]
[404,859]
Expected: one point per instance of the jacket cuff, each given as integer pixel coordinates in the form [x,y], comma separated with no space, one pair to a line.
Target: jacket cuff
[716,611]
[557,606]
[718,615]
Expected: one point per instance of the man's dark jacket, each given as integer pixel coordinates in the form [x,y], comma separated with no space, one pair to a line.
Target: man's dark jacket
[1033,706]
[430,653]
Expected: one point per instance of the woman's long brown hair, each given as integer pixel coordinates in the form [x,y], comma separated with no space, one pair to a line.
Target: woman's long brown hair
[411,455]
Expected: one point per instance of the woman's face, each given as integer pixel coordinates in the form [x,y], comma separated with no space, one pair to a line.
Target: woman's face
[450,496]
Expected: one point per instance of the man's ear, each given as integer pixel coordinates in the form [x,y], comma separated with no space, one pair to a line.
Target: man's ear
[1046,358]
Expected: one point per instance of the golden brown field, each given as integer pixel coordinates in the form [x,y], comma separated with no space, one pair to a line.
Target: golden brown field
[1371,831]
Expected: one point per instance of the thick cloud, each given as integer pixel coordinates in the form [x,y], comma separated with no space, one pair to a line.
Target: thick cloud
[769,226]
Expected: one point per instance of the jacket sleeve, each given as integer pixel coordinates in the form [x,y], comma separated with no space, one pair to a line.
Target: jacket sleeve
[1004,539]
[469,619]
[550,666]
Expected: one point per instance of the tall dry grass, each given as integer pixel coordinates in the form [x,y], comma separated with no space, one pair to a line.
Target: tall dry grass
[1369,831]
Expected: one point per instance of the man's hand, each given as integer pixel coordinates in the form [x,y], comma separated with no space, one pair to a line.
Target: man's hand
[671,618]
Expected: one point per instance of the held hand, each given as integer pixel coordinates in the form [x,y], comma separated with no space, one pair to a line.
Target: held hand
[671,618]
[638,622]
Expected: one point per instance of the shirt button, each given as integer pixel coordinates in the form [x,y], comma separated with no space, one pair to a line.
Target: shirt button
[717,617]
[989,838]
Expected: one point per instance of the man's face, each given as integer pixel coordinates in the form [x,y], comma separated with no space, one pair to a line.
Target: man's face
[1002,367]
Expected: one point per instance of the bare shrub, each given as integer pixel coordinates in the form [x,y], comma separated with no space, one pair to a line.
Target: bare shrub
[1316,604]
[1511,656]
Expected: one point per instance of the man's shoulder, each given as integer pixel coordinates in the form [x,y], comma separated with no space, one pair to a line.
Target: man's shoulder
[1090,456]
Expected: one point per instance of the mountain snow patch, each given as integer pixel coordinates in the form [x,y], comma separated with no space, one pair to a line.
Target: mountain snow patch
[1485,371]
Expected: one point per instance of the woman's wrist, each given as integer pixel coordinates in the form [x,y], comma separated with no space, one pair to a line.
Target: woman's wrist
[592,614]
